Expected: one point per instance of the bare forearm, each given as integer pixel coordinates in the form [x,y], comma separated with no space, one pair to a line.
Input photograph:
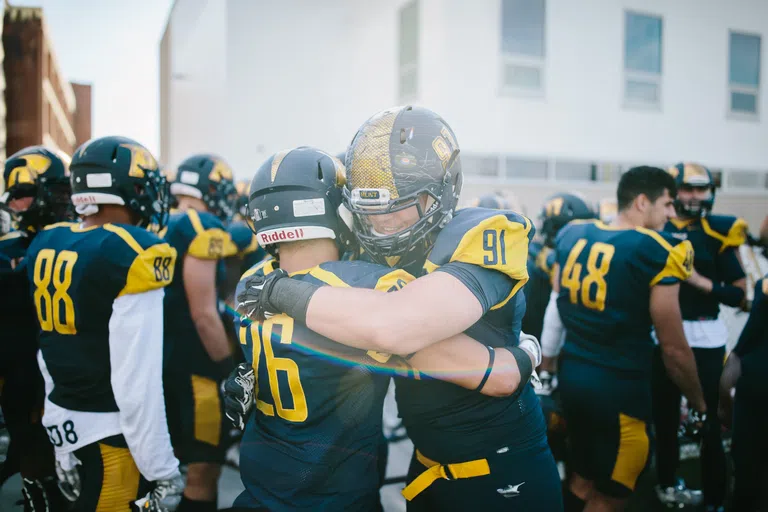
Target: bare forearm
[464,362]
[681,368]
[387,322]
[211,331]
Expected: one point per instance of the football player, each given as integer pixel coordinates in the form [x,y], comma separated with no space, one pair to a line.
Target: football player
[745,371]
[98,291]
[558,211]
[403,183]
[198,354]
[37,194]
[324,425]
[613,282]
[718,278]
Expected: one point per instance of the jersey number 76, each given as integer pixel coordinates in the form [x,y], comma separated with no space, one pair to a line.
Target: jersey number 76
[598,265]
[274,364]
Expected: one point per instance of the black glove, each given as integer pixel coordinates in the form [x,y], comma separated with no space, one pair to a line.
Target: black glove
[266,296]
[238,394]
[253,302]
[694,424]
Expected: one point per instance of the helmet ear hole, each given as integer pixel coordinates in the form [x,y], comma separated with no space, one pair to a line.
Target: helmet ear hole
[319,171]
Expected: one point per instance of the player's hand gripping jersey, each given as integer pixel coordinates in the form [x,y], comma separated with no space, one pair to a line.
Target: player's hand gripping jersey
[715,240]
[486,250]
[606,275]
[90,287]
[317,418]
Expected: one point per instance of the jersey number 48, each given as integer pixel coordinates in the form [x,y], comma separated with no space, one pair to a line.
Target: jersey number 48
[598,264]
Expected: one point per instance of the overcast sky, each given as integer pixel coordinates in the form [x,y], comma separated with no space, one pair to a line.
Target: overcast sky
[113,45]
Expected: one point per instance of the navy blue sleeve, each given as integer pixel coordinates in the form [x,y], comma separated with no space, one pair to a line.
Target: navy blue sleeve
[491,287]
[757,324]
[728,266]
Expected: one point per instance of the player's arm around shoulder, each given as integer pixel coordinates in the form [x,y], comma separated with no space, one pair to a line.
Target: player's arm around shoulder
[460,360]
[136,348]
[480,268]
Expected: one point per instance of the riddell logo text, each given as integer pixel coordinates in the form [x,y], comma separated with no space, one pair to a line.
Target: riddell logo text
[281,236]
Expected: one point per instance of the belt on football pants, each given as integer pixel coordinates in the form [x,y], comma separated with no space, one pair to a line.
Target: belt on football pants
[469,469]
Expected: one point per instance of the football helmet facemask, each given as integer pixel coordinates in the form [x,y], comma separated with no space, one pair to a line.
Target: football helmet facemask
[691,176]
[404,164]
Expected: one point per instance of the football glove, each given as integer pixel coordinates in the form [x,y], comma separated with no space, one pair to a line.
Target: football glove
[693,425]
[165,497]
[69,478]
[530,343]
[238,394]
[253,302]
[548,383]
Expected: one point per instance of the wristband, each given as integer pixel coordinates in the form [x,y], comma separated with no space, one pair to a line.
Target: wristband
[727,294]
[523,364]
[292,298]
[492,354]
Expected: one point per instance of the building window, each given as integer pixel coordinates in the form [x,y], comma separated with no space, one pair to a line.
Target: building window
[744,74]
[744,179]
[522,45]
[526,169]
[642,59]
[409,51]
[482,166]
[575,171]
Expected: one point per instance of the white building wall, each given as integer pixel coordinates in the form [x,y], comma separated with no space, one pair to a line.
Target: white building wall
[255,76]
[581,114]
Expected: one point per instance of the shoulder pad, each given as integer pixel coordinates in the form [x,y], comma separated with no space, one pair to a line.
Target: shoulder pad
[671,258]
[491,239]
[243,238]
[264,267]
[14,244]
[210,241]
[729,230]
[151,262]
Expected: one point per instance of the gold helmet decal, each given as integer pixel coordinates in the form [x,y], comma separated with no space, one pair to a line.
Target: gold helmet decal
[221,171]
[554,207]
[36,165]
[695,174]
[243,188]
[341,172]
[673,171]
[141,160]
[370,166]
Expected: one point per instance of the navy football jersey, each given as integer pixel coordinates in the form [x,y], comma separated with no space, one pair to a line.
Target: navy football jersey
[541,262]
[606,276]
[752,346]
[76,275]
[200,235]
[487,251]
[313,440]
[715,240]
[17,312]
